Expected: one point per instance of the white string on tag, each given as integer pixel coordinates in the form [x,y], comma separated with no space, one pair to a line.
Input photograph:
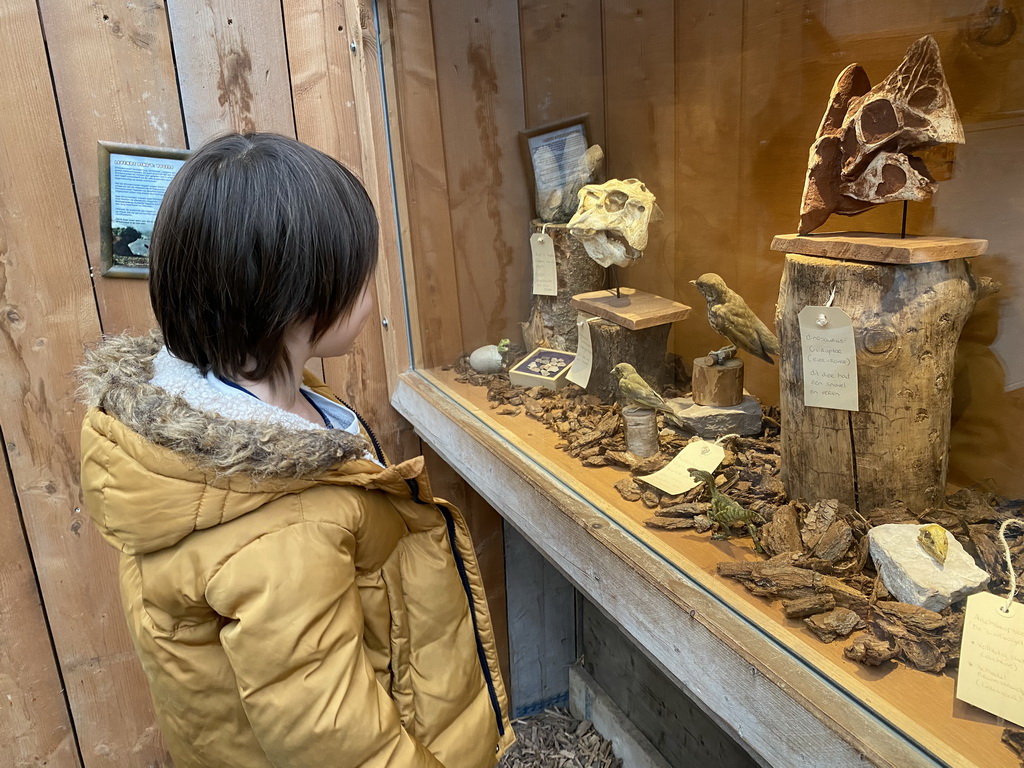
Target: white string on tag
[1009,560]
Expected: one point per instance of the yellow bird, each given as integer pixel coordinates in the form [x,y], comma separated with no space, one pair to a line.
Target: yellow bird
[636,391]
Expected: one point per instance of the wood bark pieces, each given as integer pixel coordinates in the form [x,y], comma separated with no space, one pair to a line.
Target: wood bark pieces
[555,738]
[834,624]
[717,385]
[870,651]
[861,154]
[907,321]
[643,349]
[552,322]
[1014,738]
[803,607]
[782,533]
[920,635]
[882,249]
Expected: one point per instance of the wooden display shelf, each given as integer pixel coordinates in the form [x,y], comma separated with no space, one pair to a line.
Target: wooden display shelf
[631,309]
[880,248]
[790,699]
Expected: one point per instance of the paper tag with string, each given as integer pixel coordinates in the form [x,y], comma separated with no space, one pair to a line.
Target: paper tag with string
[545,273]
[991,674]
[584,363]
[829,357]
[675,478]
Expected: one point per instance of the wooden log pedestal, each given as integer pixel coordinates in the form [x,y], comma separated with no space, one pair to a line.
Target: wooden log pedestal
[633,328]
[552,322]
[907,317]
[717,384]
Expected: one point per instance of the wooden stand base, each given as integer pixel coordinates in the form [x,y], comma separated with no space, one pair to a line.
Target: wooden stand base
[907,319]
[633,329]
[552,322]
[719,385]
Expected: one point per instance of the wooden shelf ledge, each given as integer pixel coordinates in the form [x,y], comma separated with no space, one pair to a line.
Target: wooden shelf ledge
[785,710]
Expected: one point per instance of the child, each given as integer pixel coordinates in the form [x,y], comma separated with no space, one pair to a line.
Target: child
[295,600]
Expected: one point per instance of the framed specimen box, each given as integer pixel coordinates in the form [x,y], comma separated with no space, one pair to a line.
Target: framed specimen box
[132,183]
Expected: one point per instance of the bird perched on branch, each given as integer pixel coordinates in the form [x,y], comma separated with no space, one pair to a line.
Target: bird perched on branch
[636,391]
[726,512]
[730,316]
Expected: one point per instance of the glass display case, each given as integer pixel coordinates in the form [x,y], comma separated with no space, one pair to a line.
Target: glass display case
[713,106]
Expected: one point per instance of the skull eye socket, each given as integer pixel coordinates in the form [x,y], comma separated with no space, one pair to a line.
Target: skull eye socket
[893,180]
[924,98]
[878,121]
[616,201]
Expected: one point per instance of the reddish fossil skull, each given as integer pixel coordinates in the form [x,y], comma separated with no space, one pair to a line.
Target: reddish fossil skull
[862,154]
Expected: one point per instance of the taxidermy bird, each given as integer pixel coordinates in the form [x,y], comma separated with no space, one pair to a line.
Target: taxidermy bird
[726,512]
[730,316]
[636,391]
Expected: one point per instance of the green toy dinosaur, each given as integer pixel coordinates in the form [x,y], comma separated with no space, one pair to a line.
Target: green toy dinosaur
[726,513]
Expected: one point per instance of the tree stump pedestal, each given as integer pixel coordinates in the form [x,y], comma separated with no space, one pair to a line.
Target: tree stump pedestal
[908,299]
[633,328]
[552,322]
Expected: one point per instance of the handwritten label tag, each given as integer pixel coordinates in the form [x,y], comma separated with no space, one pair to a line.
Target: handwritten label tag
[675,478]
[545,276]
[580,371]
[830,359]
[991,672]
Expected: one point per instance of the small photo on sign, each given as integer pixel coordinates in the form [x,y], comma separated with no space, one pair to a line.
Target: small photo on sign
[133,180]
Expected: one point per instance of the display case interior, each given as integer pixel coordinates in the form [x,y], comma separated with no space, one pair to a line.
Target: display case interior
[713,107]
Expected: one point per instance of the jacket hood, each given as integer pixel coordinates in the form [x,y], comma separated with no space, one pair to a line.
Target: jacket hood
[155,468]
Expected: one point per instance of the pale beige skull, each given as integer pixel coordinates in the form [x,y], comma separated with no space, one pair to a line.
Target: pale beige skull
[612,221]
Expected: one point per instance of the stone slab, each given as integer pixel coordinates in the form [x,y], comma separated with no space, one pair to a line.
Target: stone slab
[715,421]
[913,576]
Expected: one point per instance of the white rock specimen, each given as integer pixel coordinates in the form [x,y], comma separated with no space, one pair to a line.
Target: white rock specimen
[913,576]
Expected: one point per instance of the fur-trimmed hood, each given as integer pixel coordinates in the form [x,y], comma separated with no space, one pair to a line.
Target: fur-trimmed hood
[155,468]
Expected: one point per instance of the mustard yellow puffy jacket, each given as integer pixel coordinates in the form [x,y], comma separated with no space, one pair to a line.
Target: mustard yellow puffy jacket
[293,603]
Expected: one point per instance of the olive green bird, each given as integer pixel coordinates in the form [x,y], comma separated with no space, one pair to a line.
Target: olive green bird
[635,391]
[730,316]
[727,512]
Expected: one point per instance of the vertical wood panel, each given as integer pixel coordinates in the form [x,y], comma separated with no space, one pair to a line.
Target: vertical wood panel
[48,315]
[367,80]
[709,38]
[36,726]
[114,75]
[417,142]
[232,68]
[320,59]
[639,77]
[563,62]
[480,86]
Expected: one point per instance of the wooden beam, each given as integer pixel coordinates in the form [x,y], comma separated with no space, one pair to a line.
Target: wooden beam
[114,75]
[36,727]
[48,316]
[232,67]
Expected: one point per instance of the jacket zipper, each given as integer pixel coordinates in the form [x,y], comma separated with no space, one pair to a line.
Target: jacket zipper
[460,564]
[373,437]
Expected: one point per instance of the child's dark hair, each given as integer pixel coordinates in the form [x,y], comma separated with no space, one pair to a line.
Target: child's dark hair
[257,233]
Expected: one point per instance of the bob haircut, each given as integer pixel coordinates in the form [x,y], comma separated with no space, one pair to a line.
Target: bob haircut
[257,233]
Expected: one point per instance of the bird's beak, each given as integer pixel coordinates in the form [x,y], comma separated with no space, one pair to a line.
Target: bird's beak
[693,282]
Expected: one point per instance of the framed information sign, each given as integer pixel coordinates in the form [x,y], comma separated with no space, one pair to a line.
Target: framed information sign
[132,183]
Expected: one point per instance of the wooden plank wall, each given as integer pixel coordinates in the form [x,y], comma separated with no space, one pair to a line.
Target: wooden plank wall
[174,75]
[713,103]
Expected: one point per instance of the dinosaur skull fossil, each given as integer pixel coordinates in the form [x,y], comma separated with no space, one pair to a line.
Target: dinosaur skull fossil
[612,221]
[861,157]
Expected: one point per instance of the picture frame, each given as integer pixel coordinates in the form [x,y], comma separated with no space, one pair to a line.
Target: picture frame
[552,136]
[132,183]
